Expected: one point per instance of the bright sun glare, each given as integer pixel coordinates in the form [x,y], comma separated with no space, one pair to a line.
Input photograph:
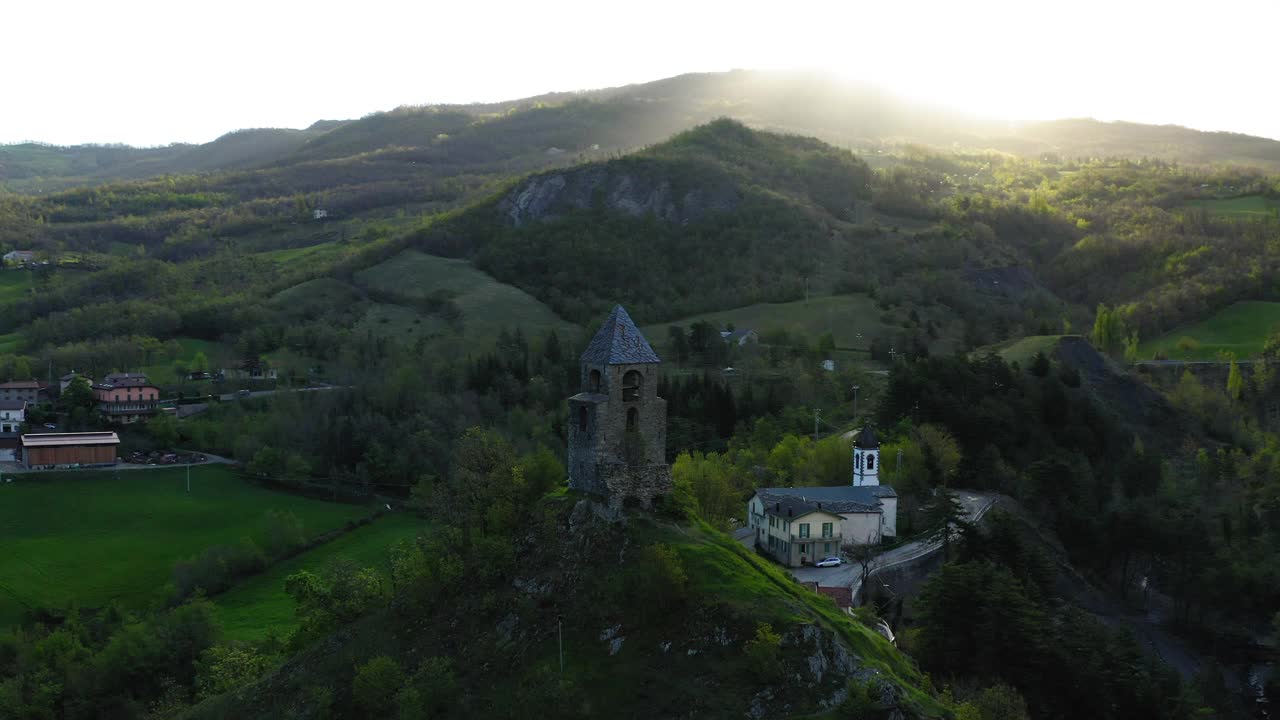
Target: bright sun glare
[147,72]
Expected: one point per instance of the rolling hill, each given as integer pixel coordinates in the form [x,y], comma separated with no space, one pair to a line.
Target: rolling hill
[540,131]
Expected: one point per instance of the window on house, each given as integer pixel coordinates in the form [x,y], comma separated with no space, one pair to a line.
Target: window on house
[582,419]
[826,529]
[631,386]
[871,462]
[804,530]
[593,381]
[633,418]
[826,548]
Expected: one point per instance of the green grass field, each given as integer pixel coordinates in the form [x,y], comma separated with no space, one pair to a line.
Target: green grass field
[10,342]
[854,320]
[258,605]
[1022,350]
[217,354]
[487,305]
[322,251]
[92,537]
[1242,328]
[13,284]
[1247,206]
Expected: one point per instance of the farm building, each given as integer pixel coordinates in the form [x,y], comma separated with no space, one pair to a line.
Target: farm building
[53,450]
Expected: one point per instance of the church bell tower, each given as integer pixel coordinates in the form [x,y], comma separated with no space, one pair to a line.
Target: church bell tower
[866,458]
[618,424]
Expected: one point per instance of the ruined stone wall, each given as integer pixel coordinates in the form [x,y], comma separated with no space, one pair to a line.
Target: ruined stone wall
[634,484]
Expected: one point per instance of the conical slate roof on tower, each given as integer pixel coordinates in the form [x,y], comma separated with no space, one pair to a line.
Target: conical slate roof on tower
[867,438]
[619,342]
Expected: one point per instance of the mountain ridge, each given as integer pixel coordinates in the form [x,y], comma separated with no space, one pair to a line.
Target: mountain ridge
[628,117]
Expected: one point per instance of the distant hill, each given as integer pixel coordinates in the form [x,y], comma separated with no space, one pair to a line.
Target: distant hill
[716,218]
[538,132]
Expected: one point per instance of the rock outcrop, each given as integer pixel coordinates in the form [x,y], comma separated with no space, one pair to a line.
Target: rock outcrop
[631,191]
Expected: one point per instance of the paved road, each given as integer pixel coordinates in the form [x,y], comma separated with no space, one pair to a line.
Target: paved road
[269,393]
[850,574]
[8,468]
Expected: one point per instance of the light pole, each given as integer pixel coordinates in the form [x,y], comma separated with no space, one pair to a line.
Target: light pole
[855,402]
[188,474]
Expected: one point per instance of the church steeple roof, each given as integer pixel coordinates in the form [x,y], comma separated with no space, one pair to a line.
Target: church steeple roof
[867,439]
[619,342]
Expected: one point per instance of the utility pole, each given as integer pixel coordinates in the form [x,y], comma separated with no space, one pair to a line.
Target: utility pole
[188,474]
[855,402]
[560,637]
[816,413]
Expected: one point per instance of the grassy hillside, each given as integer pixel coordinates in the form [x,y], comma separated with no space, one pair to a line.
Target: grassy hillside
[259,605]
[681,227]
[1245,206]
[853,320]
[1022,350]
[95,537]
[685,658]
[1241,329]
[486,306]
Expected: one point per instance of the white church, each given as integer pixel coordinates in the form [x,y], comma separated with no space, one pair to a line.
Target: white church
[798,526]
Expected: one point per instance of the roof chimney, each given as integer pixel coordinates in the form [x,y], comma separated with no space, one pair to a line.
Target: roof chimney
[819,506]
[791,512]
[777,507]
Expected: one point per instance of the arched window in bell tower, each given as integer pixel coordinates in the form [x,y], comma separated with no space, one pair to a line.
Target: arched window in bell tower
[871,461]
[593,381]
[633,419]
[631,386]
[582,419]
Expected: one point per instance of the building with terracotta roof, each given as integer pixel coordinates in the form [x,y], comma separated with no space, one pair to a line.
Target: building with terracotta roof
[28,390]
[126,397]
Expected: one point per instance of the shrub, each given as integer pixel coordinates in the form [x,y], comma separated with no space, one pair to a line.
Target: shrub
[765,653]
[223,668]
[660,583]
[431,691]
[375,686]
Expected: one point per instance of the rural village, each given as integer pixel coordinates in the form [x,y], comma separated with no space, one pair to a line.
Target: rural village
[741,394]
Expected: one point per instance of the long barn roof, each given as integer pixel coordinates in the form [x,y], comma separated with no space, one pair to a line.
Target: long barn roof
[70,439]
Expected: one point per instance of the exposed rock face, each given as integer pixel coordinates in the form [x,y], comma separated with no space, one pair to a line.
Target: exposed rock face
[634,193]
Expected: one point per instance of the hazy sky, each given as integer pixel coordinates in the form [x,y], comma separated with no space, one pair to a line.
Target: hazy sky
[150,73]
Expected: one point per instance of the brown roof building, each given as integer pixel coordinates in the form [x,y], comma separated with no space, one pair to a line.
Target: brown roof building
[20,390]
[60,450]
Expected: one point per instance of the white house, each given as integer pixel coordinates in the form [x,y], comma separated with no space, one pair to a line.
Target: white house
[800,524]
[12,414]
[19,257]
[793,531]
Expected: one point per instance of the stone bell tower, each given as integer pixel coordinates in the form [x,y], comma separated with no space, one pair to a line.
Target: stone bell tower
[618,424]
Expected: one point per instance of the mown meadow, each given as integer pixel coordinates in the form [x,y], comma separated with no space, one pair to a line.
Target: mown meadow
[96,537]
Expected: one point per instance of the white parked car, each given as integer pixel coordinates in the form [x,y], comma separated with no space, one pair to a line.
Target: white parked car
[829,562]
